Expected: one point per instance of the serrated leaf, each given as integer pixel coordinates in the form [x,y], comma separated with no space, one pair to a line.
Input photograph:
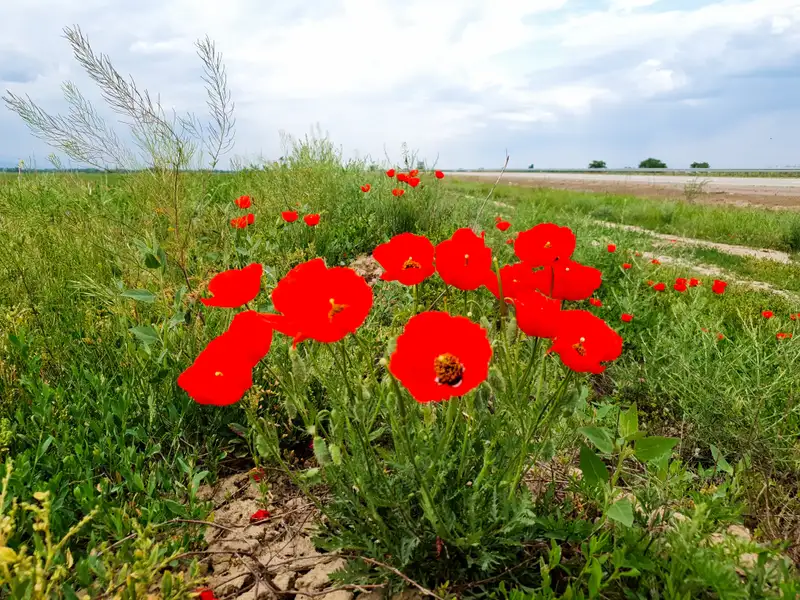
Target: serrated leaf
[594,470]
[621,512]
[140,295]
[654,447]
[629,422]
[145,334]
[600,437]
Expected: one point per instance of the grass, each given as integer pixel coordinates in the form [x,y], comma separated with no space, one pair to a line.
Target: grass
[678,172]
[760,228]
[98,317]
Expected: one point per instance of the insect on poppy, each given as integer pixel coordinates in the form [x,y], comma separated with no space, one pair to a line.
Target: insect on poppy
[439,356]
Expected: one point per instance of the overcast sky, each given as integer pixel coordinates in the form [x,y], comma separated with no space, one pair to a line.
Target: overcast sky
[556,82]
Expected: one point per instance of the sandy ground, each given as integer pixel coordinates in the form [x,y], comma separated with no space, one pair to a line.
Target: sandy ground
[742,191]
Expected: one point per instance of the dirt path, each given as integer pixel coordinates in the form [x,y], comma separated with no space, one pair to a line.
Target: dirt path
[787,198]
[763,254]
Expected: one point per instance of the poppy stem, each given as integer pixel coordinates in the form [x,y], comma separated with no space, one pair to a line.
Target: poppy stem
[416,298]
[466,302]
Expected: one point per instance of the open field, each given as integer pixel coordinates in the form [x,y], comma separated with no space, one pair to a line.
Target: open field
[775,192]
[620,439]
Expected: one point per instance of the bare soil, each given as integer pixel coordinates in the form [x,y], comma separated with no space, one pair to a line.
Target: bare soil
[787,198]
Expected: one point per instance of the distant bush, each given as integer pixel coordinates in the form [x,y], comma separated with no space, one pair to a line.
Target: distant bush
[652,163]
[699,165]
[597,164]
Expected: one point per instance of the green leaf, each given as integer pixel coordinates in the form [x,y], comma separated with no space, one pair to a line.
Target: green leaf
[140,295]
[720,462]
[176,508]
[238,429]
[621,512]
[145,334]
[629,422]
[151,261]
[600,437]
[654,447]
[198,478]
[594,470]
[321,452]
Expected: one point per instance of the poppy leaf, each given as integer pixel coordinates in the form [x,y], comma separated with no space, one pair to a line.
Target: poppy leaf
[145,334]
[629,422]
[594,470]
[600,437]
[140,295]
[654,447]
[621,512]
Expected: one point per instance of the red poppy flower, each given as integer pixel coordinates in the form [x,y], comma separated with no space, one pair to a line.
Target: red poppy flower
[612,247]
[407,258]
[320,303]
[650,282]
[719,286]
[680,280]
[413,181]
[438,356]
[660,287]
[235,287]
[584,342]
[783,336]
[568,280]
[655,261]
[413,172]
[679,286]
[397,192]
[626,266]
[243,221]
[438,174]
[290,216]
[544,243]
[257,474]
[637,253]
[767,314]
[402,177]
[694,282]
[704,329]
[464,261]
[795,316]
[510,241]
[260,515]
[253,335]
[503,225]
[720,336]
[219,375]
[390,173]
[595,302]
[537,315]
[514,278]
[205,594]
[243,202]
[626,318]
[366,187]
[311,220]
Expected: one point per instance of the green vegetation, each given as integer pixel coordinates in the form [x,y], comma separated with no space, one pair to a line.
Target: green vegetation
[605,446]
[597,164]
[652,163]
[699,165]
[760,228]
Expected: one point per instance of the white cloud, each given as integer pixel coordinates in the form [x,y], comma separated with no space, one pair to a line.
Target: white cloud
[430,72]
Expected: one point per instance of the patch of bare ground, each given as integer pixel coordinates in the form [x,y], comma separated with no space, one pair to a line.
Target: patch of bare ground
[777,199]
[273,557]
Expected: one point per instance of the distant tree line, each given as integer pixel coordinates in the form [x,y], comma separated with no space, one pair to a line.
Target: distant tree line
[648,163]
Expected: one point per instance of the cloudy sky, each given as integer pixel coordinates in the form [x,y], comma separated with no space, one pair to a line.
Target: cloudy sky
[555,82]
